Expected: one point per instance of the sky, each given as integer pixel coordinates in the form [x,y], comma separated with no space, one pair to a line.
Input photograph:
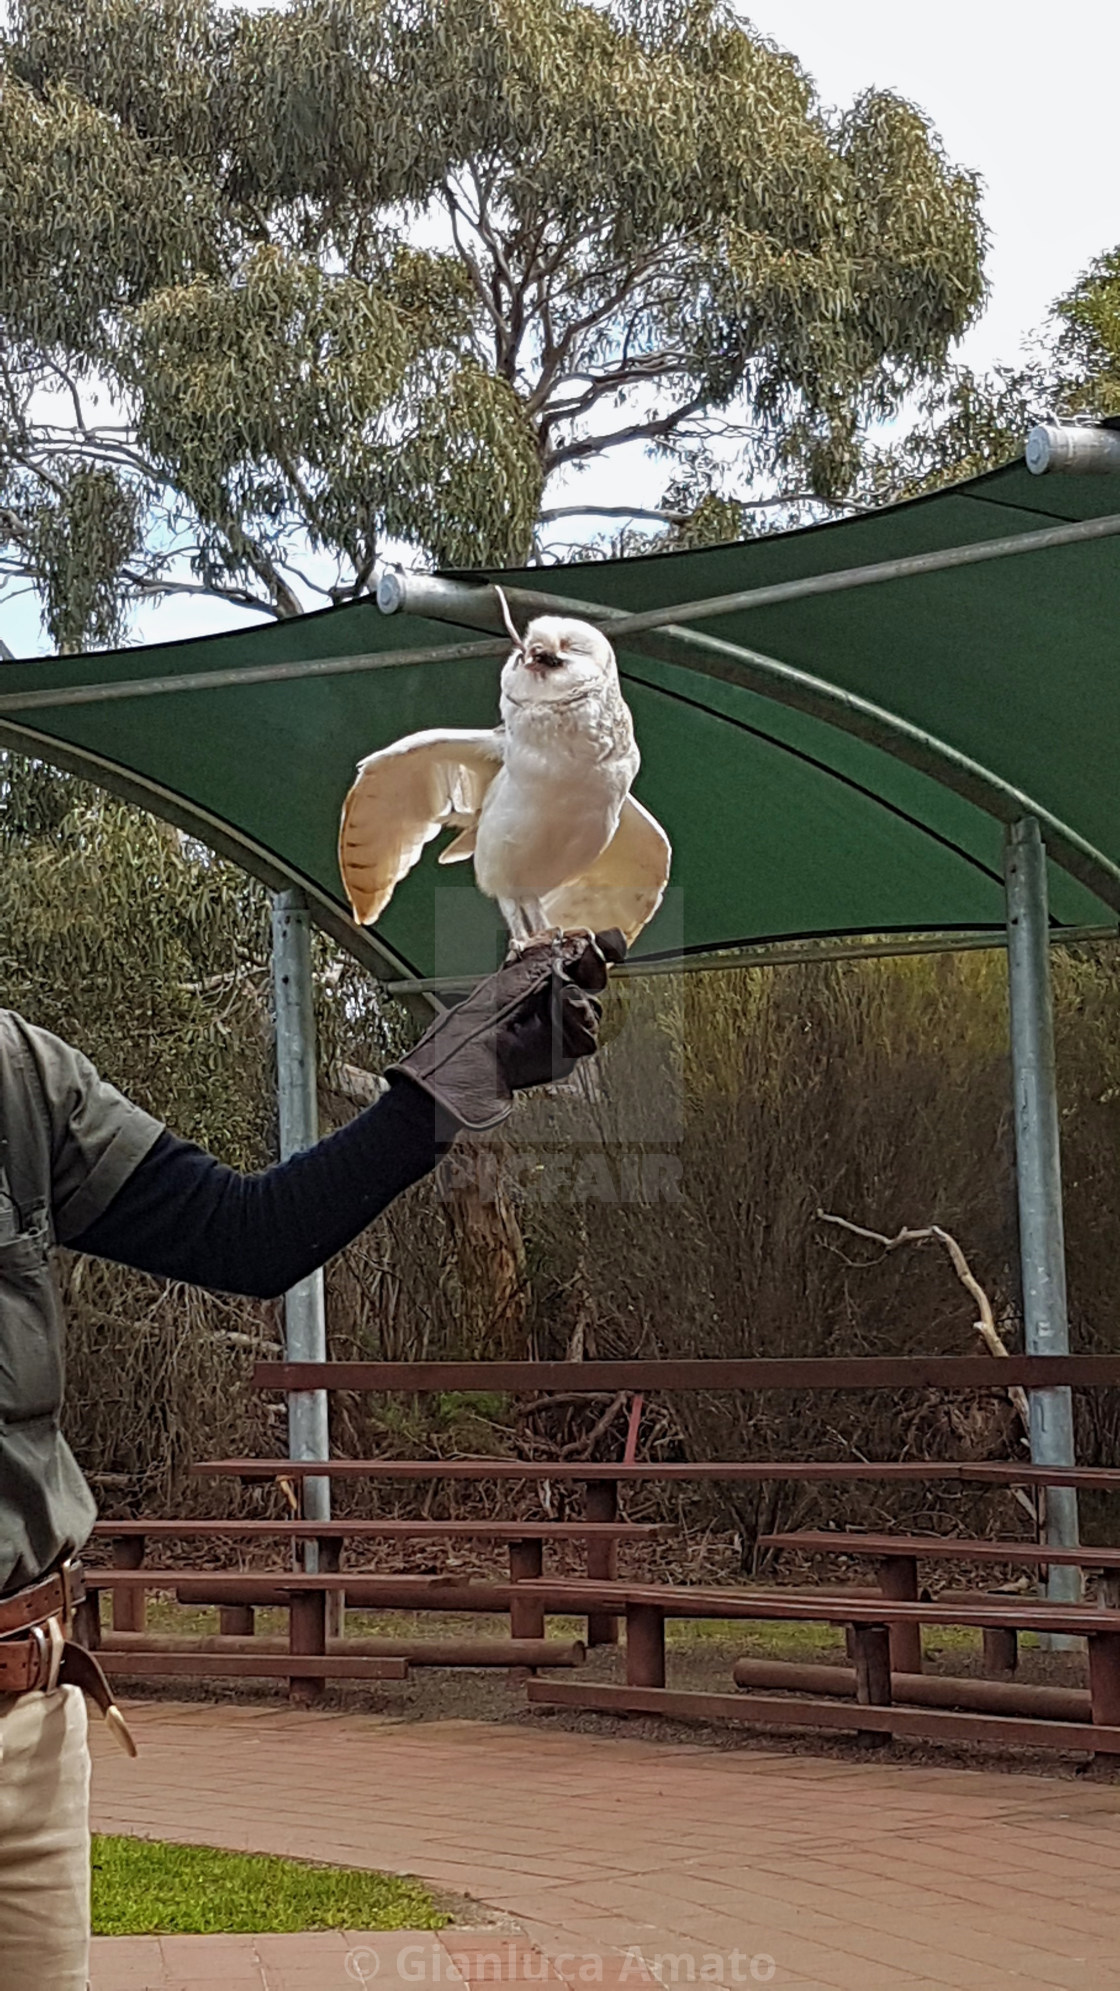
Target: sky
[1020,92]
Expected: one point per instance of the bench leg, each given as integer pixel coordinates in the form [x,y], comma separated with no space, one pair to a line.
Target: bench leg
[645,1646]
[87,1621]
[330,1558]
[307,1632]
[898,1580]
[1001,1653]
[872,1647]
[601,1504]
[129,1606]
[1104,1678]
[237,1620]
[526,1614]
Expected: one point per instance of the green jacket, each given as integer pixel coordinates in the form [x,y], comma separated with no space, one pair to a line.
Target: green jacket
[67,1143]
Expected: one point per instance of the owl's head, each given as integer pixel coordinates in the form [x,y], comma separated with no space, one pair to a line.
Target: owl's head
[559,659]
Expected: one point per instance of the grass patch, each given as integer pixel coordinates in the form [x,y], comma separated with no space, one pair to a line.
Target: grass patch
[145,1887]
[757,1638]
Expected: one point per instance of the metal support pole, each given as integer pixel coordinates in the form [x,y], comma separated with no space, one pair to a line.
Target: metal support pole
[1038,1169]
[305,1320]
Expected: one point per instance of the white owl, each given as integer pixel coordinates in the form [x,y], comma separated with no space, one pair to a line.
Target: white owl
[542,802]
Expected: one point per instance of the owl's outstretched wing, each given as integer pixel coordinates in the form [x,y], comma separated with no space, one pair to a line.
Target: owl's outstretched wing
[624,887]
[402,798]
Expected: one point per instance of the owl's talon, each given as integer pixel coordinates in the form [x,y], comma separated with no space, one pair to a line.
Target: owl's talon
[520,944]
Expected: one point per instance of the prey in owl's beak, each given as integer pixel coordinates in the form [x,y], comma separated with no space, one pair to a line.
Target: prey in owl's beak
[540,661]
[557,660]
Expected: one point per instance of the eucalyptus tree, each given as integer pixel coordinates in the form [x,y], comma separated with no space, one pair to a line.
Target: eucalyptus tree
[966,423]
[970,422]
[1087,343]
[287,281]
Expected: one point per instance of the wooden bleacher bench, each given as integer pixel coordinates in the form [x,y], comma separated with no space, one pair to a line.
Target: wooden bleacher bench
[944,1548]
[868,1620]
[129,1578]
[311,1656]
[874,1624]
[897,1558]
[857,1372]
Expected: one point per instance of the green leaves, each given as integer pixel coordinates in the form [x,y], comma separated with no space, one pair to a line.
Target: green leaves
[80,534]
[91,221]
[285,366]
[1089,345]
[464,482]
[150,955]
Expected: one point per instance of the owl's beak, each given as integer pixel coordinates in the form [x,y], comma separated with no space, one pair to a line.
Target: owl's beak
[543,661]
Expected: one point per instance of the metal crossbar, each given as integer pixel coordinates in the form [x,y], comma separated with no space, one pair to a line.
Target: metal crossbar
[909,567]
[790,953]
[906,568]
[785,684]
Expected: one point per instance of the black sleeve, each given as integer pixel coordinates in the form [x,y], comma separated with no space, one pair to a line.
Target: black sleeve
[183,1215]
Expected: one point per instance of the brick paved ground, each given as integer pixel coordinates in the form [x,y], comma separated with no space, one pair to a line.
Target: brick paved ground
[848,1876]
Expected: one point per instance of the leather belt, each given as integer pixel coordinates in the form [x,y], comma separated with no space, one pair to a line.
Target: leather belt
[36,1652]
[53,1596]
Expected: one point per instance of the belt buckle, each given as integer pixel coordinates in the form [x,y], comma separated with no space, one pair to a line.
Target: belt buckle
[48,1642]
[73,1591]
[38,1643]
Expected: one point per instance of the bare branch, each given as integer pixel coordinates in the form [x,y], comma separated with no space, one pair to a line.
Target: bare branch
[582,1448]
[651,431]
[14,528]
[614,511]
[75,399]
[673,517]
[568,1400]
[148,585]
[986,1325]
[470,262]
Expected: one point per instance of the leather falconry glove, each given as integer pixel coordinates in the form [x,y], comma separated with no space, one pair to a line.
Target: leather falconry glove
[524,1026]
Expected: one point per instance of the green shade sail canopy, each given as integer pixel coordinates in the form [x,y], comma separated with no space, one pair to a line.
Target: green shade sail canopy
[785,827]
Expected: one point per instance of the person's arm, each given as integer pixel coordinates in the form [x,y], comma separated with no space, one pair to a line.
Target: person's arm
[183,1215]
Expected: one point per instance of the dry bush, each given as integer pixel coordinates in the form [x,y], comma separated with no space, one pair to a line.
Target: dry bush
[880,1090]
[668,1207]
[664,1204]
[157,1379]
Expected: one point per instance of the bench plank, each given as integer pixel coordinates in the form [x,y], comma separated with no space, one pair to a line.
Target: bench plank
[777,1711]
[575,1596]
[244,1666]
[884,1372]
[876,1548]
[984,1472]
[263,1586]
[390,1530]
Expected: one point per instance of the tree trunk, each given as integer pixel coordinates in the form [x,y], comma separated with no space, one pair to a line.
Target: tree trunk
[489,1253]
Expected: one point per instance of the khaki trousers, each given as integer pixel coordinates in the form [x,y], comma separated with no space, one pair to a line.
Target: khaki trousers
[44,1842]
